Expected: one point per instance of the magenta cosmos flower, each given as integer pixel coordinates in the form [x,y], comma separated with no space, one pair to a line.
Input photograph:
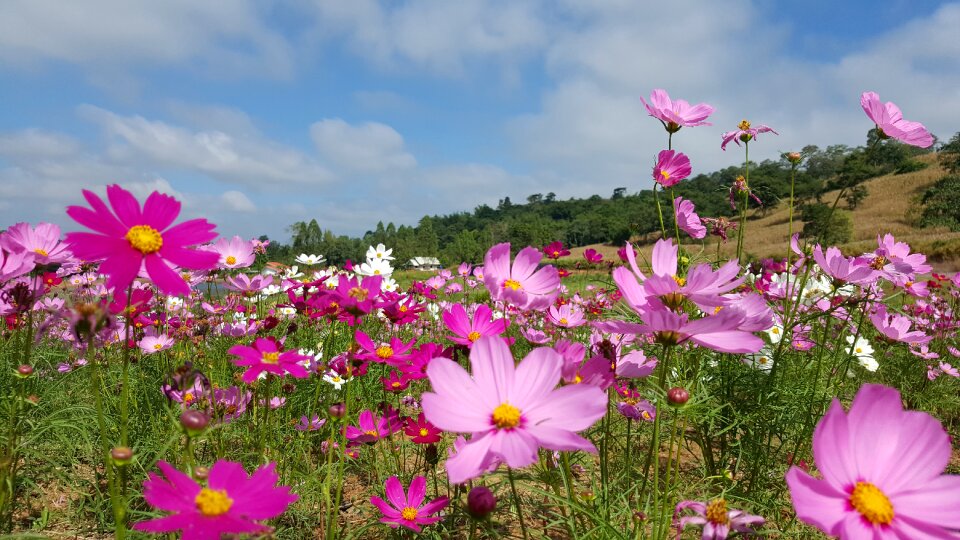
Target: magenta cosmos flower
[890,122]
[676,114]
[407,509]
[466,330]
[265,356]
[521,284]
[882,472]
[671,168]
[230,503]
[511,410]
[744,133]
[43,241]
[136,237]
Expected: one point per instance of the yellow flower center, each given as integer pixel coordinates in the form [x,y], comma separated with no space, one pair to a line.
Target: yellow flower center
[157,346]
[271,357]
[409,513]
[680,281]
[40,251]
[577,379]
[859,350]
[665,175]
[188,398]
[506,416]
[871,503]
[512,283]
[717,512]
[473,336]
[775,331]
[878,262]
[744,125]
[403,309]
[376,272]
[717,309]
[144,239]
[358,293]
[384,351]
[645,415]
[563,321]
[372,433]
[424,432]
[395,384]
[231,260]
[213,502]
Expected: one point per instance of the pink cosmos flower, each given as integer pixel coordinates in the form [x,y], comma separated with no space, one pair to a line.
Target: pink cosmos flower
[511,410]
[313,424]
[230,503]
[14,265]
[555,250]
[687,218]
[371,428]
[468,331]
[894,260]
[407,509]
[566,316]
[676,114]
[896,327]
[843,269]
[420,431]
[136,237]
[43,241]
[394,353]
[234,253]
[744,133]
[671,168]
[716,519]
[265,356]
[592,256]
[154,342]
[882,472]
[890,122]
[521,284]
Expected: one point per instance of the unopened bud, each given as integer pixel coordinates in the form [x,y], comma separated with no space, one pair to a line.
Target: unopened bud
[794,157]
[678,396]
[337,410]
[194,422]
[121,456]
[201,473]
[25,371]
[481,502]
[431,455]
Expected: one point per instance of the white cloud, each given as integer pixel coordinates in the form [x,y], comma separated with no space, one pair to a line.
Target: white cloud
[224,37]
[236,201]
[365,148]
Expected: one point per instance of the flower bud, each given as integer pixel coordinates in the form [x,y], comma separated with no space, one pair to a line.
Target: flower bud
[431,455]
[337,410]
[24,371]
[794,157]
[121,456]
[678,396]
[194,422]
[201,473]
[481,502]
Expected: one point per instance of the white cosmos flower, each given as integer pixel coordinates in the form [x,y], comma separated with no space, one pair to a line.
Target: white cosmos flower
[335,379]
[271,290]
[309,260]
[287,311]
[389,284]
[375,267]
[762,360]
[379,251]
[862,349]
[293,272]
[174,303]
[775,334]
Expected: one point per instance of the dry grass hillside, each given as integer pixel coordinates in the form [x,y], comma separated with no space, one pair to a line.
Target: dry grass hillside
[890,201]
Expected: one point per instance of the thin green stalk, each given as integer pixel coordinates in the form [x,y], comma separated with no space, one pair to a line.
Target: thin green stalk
[516,501]
[746,199]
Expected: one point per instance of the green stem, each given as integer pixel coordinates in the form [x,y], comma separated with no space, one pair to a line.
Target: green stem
[516,501]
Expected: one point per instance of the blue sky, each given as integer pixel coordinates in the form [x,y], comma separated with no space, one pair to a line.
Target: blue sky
[260,113]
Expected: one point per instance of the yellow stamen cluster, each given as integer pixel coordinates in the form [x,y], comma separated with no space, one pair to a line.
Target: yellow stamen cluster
[424,432]
[878,262]
[717,512]
[506,416]
[384,352]
[872,503]
[744,125]
[473,336]
[213,502]
[512,284]
[144,239]
[358,293]
[409,513]
[270,357]
[231,260]
[40,251]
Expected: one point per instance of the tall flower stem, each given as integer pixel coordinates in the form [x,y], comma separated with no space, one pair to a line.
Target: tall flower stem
[516,501]
[746,199]
[96,388]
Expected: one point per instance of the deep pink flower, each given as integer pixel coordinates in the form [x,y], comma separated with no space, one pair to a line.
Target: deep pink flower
[356,297]
[687,218]
[133,238]
[266,356]
[371,428]
[234,253]
[395,382]
[592,256]
[676,114]
[716,519]
[890,122]
[555,250]
[407,509]
[522,284]
[420,431]
[744,133]
[394,353]
[511,410]
[882,472]
[671,168]
[230,503]
[468,331]
[43,241]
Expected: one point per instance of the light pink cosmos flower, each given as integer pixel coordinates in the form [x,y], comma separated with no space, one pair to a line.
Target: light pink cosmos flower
[744,133]
[153,342]
[234,253]
[717,521]
[566,316]
[687,219]
[890,122]
[894,260]
[676,114]
[136,237]
[265,356]
[896,327]
[671,168]
[43,241]
[843,269]
[247,285]
[466,330]
[407,509]
[522,284]
[882,472]
[14,265]
[230,503]
[511,410]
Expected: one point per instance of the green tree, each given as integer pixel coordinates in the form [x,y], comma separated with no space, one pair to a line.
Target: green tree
[949,157]
[941,204]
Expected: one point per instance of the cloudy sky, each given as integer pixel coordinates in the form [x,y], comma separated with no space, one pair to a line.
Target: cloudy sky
[261,113]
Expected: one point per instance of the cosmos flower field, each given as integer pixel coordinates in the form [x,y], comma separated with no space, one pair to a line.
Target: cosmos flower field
[160,379]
